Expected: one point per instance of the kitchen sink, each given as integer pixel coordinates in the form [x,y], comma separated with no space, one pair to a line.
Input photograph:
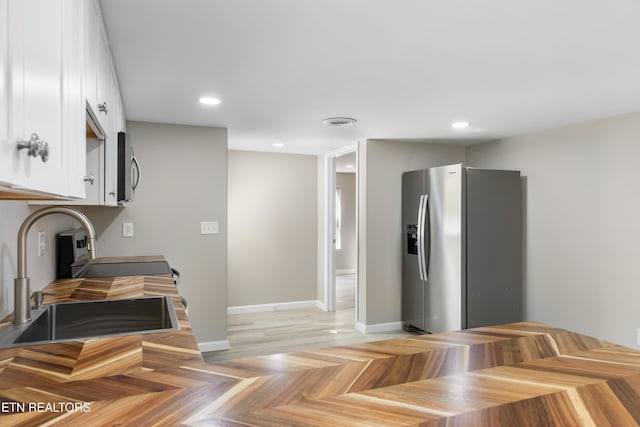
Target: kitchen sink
[69,321]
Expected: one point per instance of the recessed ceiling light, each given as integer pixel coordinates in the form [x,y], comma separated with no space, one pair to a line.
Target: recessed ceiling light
[207,100]
[459,125]
[278,144]
[348,166]
[339,121]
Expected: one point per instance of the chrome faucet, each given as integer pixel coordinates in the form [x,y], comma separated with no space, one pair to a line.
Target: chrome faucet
[22,287]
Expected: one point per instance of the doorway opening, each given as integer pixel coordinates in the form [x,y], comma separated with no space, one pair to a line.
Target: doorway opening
[340,243]
[345,240]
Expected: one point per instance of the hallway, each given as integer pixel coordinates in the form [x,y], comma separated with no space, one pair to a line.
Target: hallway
[279,331]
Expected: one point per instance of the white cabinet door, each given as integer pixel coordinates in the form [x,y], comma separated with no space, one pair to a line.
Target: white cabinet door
[111,144]
[91,19]
[121,119]
[45,95]
[74,95]
[102,77]
[7,172]
[58,68]
[95,160]
[35,67]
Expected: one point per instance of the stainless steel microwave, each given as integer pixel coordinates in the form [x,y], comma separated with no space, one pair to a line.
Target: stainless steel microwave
[128,169]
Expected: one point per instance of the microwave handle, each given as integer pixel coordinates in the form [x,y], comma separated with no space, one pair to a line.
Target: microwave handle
[135,165]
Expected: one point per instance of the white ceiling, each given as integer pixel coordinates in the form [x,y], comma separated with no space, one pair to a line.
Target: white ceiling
[405,69]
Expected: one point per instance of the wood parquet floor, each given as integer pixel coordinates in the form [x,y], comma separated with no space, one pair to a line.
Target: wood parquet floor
[518,375]
[525,374]
[284,331]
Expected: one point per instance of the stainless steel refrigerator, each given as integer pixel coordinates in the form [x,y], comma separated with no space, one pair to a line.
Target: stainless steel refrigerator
[461,229]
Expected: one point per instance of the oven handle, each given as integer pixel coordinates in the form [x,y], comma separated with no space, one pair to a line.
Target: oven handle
[135,166]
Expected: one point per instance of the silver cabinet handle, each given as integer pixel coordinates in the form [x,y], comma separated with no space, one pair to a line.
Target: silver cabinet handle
[35,146]
[103,107]
[91,178]
[112,193]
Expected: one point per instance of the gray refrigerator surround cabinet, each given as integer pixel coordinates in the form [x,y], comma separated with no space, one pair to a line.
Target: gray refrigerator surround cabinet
[461,263]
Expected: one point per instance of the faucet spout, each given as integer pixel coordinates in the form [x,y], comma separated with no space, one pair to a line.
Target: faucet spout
[22,288]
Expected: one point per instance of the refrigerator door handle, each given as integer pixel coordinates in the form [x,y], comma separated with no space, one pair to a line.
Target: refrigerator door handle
[422,207]
[420,234]
[426,242]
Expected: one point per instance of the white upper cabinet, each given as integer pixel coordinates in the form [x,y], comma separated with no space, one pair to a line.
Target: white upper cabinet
[91,19]
[74,104]
[102,76]
[43,93]
[111,146]
[96,64]
[6,151]
[103,105]
[56,74]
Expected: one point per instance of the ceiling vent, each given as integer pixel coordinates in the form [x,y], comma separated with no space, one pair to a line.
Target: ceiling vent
[335,122]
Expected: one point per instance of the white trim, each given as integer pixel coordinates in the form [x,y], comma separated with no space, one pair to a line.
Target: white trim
[379,327]
[330,233]
[241,309]
[327,246]
[347,271]
[322,306]
[213,346]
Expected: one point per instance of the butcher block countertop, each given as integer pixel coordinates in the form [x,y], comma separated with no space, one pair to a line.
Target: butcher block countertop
[523,374]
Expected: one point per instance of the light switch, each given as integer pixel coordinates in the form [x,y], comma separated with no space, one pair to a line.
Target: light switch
[127,229]
[42,243]
[209,227]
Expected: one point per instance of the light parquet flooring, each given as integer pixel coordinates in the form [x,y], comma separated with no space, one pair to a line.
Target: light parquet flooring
[525,374]
[283,331]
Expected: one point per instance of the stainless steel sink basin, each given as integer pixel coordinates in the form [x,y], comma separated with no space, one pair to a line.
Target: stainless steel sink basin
[70,321]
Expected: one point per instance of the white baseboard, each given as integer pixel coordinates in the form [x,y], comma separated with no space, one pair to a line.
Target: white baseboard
[322,306]
[240,309]
[379,327]
[346,271]
[213,346]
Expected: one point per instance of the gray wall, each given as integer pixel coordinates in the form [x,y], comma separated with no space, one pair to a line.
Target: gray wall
[581,213]
[381,164]
[346,257]
[582,228]
[273,225]
[40,269]
[183,182]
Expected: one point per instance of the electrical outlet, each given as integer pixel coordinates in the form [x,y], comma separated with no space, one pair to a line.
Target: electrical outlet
[42,243]
[127,229]
[209,227]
